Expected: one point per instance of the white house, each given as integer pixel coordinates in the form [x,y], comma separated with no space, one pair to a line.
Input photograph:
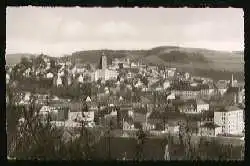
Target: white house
[222,86]
[210,129]
[187,76]
[80,79]
[127,126]
[138,84]
[201,106]
[89,116]
[27,96]
[88,99]
[171,96]
[27,72]
[61,73]
[231,118]
[47,109]
[49,75]
[173,129]
[166,84]
[75,116]
[59,81]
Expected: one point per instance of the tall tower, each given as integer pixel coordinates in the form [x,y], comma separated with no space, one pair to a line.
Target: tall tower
[232,81]
[103,62]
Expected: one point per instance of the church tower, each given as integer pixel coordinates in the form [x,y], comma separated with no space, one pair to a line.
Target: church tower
[103,62]
[232,81]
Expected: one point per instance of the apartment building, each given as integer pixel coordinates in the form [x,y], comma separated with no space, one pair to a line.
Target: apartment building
[231,119]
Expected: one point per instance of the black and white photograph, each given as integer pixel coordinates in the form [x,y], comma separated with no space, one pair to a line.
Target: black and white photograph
[131,84]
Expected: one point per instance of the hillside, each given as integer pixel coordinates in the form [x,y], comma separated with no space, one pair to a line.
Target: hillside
[15,58]
[173,56]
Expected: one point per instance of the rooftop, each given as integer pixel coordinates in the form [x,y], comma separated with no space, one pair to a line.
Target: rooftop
[229,109]
[210,125]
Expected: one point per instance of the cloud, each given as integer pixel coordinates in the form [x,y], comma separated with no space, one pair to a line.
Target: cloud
[72,30]
[64,30]
[115,30]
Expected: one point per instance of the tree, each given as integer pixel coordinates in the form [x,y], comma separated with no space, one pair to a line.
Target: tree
[25,62]
[185,135]
[145,81]
[141,136]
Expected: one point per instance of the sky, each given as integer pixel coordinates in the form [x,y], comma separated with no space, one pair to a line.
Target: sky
[59,31]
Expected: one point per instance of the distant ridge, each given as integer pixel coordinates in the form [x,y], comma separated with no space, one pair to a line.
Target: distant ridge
[15,58]
[180,57]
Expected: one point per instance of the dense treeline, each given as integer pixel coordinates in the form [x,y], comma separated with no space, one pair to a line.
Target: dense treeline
[178,56]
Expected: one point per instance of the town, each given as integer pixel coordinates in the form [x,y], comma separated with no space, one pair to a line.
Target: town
[125,97]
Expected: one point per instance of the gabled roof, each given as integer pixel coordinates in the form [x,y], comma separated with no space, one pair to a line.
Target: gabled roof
[88,99]
[228,109]
[199,101]
[233,90]
[210,125]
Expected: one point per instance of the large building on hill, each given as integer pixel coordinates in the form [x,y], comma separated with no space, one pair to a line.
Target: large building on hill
[103,72]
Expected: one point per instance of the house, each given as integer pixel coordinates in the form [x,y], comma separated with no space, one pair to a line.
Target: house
[166,84]
[27,72]
[69,79]
[222,86]
[148,126]
[207,90]
[237,94]
[140,115]
[170,72]
[192,106]
[185,90]
[51,111]
[80,79]
[138,84]
[201,105]
[75,116]
[188,106]
[231,119]
[49,75]
[59,81]
[88,116]
[155,118]
[172,129]
[128,126]
[88,99]
[25,98]
[171,96]
[187,76]
[210,129]
[207,117]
